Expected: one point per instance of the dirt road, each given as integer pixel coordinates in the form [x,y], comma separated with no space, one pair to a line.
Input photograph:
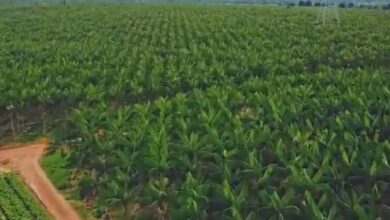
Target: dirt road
[25,160]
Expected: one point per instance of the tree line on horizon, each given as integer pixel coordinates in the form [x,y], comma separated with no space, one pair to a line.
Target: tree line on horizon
[308,3]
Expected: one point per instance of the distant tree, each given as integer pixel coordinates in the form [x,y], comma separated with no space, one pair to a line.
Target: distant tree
[317,4]
[342,5]
[304,3]
[351,5]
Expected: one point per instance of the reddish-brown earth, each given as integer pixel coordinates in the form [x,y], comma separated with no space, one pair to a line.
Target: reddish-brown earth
[25,161]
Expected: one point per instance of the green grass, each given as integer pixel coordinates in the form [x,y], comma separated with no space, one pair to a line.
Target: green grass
[55,166]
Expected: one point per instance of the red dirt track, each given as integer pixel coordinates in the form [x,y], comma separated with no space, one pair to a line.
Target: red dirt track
[25,161]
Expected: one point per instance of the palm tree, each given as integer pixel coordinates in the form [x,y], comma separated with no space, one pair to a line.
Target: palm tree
[120,189]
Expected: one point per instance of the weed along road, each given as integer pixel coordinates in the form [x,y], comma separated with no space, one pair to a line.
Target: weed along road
[25,161]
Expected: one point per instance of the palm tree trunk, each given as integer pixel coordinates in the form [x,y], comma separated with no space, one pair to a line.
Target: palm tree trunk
[13,125]
[125,208]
